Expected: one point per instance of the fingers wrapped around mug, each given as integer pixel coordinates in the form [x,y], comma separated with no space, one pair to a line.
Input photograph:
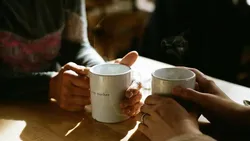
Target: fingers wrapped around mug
[147,114]
[148,118]
[132,102]
[74,93]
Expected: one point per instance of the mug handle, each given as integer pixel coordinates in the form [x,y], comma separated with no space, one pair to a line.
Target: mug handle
[136,77]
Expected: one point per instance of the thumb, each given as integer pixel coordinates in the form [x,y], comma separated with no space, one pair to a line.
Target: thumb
[118,60]
[129,59]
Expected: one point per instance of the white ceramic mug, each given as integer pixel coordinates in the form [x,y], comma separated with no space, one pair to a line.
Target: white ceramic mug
[165,79]
[108,84]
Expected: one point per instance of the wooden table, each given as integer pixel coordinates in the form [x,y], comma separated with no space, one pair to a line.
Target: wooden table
[29,121]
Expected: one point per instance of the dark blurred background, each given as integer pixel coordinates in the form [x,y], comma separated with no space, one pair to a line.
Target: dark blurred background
[211,35]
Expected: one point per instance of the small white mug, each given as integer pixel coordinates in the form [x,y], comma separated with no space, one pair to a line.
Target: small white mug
[108,84]
[165,79]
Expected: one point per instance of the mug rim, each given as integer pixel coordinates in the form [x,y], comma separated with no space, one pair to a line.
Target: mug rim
[184,79]
[110,75]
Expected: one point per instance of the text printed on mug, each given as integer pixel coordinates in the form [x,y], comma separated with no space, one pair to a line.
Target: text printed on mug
[100,94]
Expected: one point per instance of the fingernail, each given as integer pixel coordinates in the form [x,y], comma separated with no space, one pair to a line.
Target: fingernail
[86,70]
[132,114]
[124,105]
[129,95]
[128,111]
[139,86]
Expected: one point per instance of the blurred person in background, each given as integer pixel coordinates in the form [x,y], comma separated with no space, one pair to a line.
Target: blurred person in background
[45,52]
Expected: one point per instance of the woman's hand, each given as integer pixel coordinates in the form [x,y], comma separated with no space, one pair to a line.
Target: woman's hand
[131,104]
[165,119]
[216,106]
[70,87]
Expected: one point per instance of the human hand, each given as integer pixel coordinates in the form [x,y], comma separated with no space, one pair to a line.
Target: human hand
[72,79]
[163,118]
[215,105]
[129,59]
[131,103]
[70,87]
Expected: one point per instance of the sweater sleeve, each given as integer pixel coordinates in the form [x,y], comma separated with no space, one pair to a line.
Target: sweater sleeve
[33,86]
[75,44]
[75,47]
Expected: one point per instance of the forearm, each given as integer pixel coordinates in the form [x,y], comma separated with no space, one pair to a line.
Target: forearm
[89,57]
[192,137]
[240,118]
[81,54]
[246,117]
[75,44]
[33,86]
